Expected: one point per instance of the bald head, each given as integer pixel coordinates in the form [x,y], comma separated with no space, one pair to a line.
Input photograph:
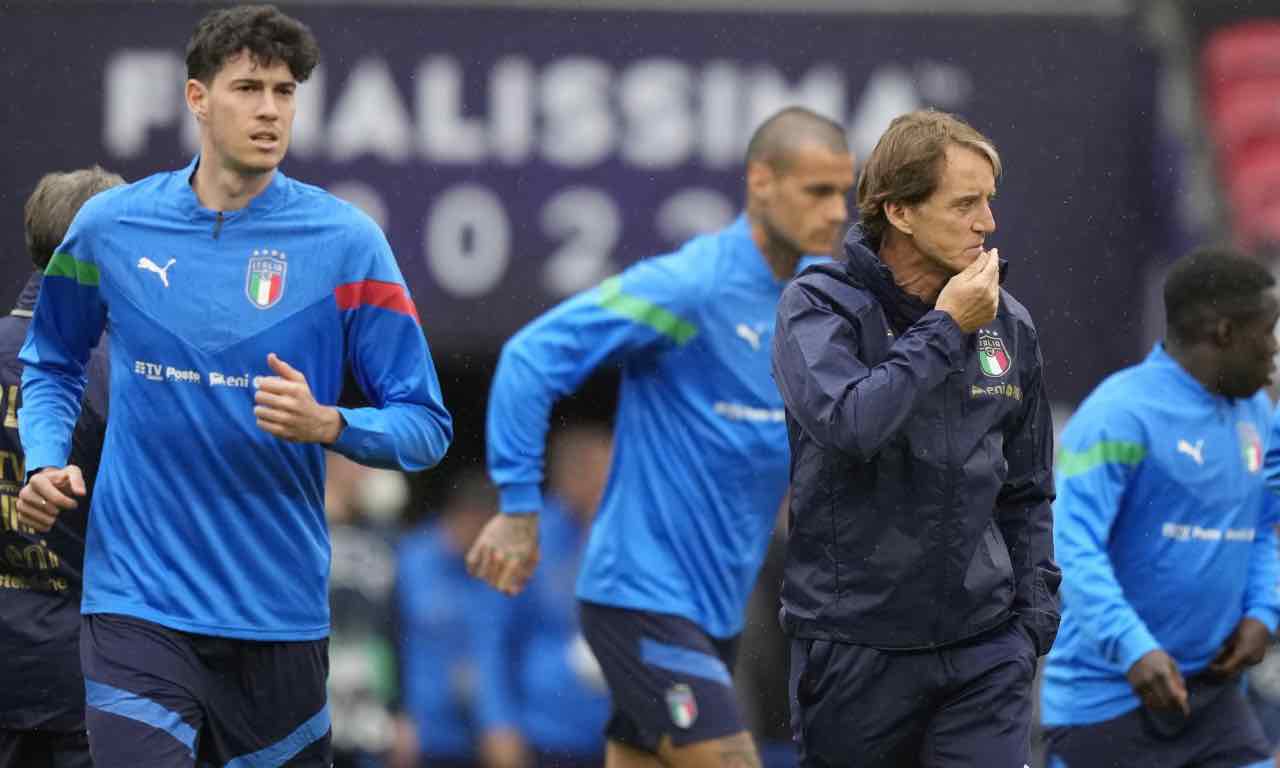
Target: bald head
[776,140]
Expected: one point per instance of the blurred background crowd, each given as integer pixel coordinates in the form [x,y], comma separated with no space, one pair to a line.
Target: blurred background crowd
[517,151]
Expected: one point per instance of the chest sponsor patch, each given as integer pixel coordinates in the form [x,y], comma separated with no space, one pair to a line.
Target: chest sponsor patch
[264,279]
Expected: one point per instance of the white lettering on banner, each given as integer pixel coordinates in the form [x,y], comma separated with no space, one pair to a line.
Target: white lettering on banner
[739,412]
[575,111]
[588,224]
[1183,532]
[369,117]
[468,240]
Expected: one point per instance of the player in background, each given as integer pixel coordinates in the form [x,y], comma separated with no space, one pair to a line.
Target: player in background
[42,699]
[700,459]
[532,651]
[1166,533]
[235,300]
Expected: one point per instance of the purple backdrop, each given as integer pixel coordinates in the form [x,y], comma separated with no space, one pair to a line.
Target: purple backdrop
[516,156]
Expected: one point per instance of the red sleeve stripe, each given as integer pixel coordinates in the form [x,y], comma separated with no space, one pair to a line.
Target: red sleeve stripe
[376,293]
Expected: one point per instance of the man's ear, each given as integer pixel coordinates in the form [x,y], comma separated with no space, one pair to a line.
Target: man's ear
[1224,332]
[899,216]
[198,98]
[761,180]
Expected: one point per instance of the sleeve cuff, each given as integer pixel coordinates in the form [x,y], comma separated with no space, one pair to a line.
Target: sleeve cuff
[354,440]
[40,457]
[1136,643]
[520,499]
[1266,614]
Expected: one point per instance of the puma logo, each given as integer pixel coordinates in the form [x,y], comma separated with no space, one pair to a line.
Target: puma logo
[1195,452]
[150,266]
[748,335]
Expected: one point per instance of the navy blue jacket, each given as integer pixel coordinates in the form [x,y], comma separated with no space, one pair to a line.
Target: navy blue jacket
[921,464]
[40,573]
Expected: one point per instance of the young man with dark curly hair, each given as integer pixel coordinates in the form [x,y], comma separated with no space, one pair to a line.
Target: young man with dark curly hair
[236,300]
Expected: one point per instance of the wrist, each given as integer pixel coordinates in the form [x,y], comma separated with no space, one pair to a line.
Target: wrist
[333,425]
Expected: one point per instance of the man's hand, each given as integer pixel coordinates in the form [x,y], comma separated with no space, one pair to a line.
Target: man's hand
[1158,682]
[972,296]
[285,407]
[1245,647]
[503,748]
[50,492]
[506,552]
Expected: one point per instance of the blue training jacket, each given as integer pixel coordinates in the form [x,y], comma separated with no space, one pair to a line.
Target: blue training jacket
[921,470]
[700,465]
[1164,530]
[201,521]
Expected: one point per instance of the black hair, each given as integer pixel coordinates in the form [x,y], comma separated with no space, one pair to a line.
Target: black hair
[784,131]
[1210,284]
[264,31]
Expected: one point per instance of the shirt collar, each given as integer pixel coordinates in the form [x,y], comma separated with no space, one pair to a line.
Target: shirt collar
[269,198]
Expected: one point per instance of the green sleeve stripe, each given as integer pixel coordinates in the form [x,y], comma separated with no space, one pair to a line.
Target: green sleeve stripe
[1072,463]
[66,265]
[644,312]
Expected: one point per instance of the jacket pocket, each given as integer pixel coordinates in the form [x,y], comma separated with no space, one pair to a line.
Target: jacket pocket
[1046,613]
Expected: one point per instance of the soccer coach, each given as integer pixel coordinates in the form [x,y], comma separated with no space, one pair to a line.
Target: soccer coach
[920,585]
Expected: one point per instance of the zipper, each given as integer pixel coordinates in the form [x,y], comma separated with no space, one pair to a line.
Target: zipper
[217,226]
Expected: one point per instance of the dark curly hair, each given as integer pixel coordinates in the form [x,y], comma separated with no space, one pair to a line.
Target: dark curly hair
[264,31]
[1208,284]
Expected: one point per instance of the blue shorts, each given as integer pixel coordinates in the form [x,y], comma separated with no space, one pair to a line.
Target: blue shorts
[667,677]
[44,749]
[1222,732]
[160,698]
[967,704]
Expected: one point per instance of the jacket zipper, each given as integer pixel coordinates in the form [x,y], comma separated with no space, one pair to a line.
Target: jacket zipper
[217,226]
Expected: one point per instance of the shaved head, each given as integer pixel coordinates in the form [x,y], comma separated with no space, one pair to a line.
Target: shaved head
[777,138]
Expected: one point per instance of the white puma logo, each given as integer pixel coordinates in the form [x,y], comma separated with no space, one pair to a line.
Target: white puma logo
[1194,452]
[748,335]
[150,266]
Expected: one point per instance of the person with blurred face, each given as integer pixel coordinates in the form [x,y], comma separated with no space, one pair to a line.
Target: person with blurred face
[1165,527]
[919,583]
[42,700]
[699,465]
[235,300]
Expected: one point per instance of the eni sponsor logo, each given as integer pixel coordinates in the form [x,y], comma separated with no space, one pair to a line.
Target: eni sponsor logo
[1012,391]
[242,381]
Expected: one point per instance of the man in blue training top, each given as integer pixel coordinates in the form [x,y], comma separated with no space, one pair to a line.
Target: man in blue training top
[236,300]
[919,583]
[700,460]
[42,700]
[1166,534]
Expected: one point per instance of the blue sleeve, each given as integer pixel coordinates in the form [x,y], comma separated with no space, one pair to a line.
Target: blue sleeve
[1023,510]
[67,322]
[831,391]
[407,426]
[1262,596]
[650,307]
[495,635]
[1262,600]
[1103,448]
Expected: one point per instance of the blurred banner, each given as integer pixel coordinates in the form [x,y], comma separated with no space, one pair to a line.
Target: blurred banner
[516,156]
